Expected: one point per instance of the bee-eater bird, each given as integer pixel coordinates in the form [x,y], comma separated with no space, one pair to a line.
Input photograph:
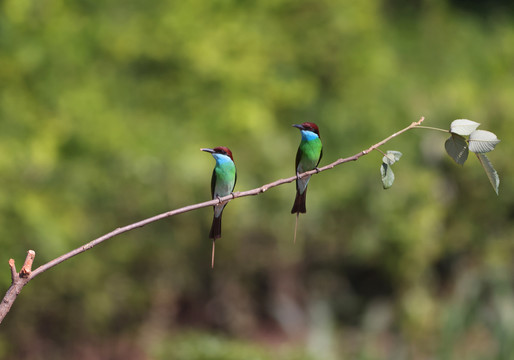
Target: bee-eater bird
[223,180]
[308,157]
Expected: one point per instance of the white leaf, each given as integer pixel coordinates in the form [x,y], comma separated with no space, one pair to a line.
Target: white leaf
[481,141]
[463,126]
[387,175]
[391,157]
[457,147]
[490,171]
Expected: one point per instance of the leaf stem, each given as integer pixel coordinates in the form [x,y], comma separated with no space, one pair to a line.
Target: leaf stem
[380,151]
[431,128]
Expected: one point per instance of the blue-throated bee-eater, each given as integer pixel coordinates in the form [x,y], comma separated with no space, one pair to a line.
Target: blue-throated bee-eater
[223,180]
[308,157]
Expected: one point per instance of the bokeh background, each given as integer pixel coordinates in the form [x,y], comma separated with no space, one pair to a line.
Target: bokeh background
[104,106]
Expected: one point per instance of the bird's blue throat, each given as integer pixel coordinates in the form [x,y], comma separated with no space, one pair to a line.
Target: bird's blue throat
[308,135]
[222,159]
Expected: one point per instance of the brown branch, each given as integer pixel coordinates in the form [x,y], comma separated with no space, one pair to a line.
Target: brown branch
[20,280]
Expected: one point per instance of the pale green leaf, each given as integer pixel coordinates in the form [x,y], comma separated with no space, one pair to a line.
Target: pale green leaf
[463,127]
[387,175]
[490,171]
[481,141]
[391,157]
[457,147]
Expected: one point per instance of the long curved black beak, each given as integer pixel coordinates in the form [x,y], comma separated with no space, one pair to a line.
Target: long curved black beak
[208,150]
[298,126]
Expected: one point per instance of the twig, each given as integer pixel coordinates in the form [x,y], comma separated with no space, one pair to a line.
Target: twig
[20,280]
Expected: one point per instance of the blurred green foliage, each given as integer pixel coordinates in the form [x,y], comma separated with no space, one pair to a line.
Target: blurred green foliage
[104,106]
[192,346]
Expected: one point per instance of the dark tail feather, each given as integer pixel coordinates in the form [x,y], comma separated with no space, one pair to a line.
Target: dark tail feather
[296,226]
[299,203]
[213,247]
[215,228]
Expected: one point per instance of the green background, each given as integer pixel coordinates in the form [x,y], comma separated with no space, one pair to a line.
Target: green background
[104,106]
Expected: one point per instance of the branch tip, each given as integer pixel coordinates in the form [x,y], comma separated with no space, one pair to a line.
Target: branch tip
[12,265]
[27,266]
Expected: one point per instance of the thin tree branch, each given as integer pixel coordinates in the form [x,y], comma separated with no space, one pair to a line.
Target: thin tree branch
[20,280]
